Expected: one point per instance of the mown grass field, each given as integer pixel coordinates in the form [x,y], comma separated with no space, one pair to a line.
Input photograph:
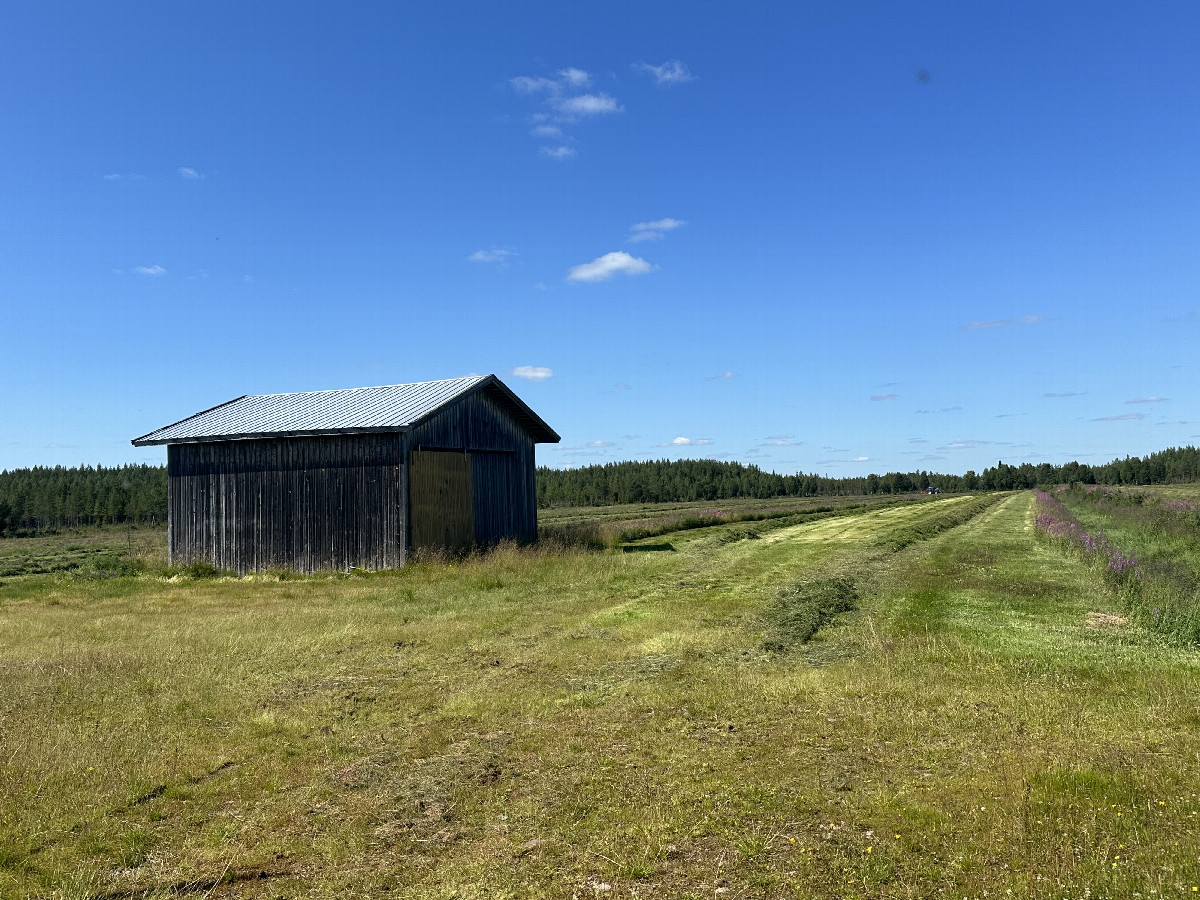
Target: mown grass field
[571,723]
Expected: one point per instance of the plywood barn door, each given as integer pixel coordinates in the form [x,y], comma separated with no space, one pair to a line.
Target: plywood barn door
[440,499]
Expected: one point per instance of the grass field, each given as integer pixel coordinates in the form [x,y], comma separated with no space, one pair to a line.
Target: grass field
[85,548]
[976,716]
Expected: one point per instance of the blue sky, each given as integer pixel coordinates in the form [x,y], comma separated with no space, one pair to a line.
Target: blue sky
[825,237]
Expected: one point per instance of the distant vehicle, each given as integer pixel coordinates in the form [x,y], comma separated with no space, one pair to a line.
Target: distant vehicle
[931,490]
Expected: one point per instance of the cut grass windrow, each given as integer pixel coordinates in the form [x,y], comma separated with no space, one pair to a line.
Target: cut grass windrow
[800,609]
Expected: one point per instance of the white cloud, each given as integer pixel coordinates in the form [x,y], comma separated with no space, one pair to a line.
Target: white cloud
[495,255]
[150,270]
[189,173]
[523,84]
[564,100]
[724,376]
[970,444]
[673,71]
[884,396]
[533,373]
[1146,400]
[1124,417]
[601,444]
[587,105]
[605,267]
[689,442]
[113,177]
[861,458]
[653,231]
[1001,323]
[575,77]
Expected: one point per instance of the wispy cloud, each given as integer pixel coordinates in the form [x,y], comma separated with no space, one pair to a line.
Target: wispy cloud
[605,267]
[1124,417]
[673,71]
[601,444]
[587,105]
[724,376]
[150,270]
[1002,323]
[575,77]
[532,373]
[494,255]
[1064,394]
[1146,400]
[523,84]
[917,441]
[688,442]
[113,177]
[653,231]
[971,444]
[565,100]
[623,386]
[781,440]
[187,172]
[884,396]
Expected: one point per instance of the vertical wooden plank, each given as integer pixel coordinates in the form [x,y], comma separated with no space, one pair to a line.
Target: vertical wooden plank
[440,498]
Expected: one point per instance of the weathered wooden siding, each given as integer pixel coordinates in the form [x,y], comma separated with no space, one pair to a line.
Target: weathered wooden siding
[503,489]
[440,492]
[308,503]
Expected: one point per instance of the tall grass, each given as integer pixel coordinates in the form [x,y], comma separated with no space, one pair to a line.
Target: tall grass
[1144,549]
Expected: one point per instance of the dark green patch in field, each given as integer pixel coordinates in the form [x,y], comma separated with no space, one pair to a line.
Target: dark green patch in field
[926,610]
[800,609]
[662,547]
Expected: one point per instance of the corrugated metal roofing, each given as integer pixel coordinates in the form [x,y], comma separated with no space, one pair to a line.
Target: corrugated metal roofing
[345,411]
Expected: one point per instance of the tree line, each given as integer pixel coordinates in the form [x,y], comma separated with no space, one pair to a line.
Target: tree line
[698,479]
[41,498]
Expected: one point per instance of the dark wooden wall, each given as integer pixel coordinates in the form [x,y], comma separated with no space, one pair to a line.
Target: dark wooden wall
[306,503]
[503,491]
[321,503]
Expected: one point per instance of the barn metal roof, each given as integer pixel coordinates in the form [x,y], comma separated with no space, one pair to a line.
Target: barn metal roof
[392,407]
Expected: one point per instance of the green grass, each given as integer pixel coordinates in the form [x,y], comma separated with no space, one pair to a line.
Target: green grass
[92,549]
[549,723]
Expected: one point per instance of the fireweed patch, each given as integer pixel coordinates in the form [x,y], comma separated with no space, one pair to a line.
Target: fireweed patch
[1157,583]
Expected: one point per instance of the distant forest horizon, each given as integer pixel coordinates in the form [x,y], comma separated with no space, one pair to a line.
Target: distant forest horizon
[42,497]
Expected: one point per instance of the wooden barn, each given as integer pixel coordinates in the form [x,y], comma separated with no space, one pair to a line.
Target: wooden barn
[355,478]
